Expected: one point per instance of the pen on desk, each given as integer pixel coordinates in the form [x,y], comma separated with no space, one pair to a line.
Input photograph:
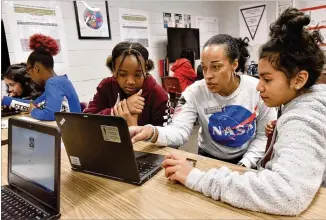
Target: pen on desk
[192,161]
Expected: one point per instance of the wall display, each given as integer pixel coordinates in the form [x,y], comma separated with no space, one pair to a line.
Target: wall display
[92,20]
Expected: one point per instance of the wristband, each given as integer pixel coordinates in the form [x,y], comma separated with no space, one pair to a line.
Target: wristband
[154,133]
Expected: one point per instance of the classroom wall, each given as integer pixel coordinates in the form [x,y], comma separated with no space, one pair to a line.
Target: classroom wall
[228,12]
[86,58]
[308,4]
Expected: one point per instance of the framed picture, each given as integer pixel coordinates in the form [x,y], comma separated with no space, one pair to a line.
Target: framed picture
[92,20]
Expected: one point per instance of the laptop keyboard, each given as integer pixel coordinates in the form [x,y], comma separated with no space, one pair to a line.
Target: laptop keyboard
[145,167]
[14,207]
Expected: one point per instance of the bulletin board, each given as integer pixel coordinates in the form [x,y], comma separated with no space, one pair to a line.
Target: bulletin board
[36,17]
[318,20]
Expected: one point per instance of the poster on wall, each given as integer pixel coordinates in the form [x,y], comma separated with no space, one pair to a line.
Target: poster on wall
[178,20]
[31,19]
[92,20]
[187,21]
[253,23]
[134,26]
[167,20]
[317,20]
[208,27]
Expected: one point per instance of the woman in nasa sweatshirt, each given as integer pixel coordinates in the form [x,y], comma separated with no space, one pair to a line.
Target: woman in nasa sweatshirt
[229,109]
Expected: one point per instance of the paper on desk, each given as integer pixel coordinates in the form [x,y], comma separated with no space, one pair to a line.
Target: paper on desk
[4,124]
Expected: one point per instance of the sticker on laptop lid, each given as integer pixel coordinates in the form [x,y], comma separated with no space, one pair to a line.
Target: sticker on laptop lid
[75,161]
[110,133]
[62,121]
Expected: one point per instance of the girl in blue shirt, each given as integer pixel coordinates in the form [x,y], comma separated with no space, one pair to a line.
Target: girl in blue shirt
[59,94]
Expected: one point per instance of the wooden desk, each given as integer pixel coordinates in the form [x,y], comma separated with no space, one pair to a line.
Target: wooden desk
[90,197]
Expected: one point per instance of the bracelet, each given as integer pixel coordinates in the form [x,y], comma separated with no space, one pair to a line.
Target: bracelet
[153,135]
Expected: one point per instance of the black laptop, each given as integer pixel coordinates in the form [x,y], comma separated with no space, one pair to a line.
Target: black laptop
[101,145]
[5,111]
[33,172]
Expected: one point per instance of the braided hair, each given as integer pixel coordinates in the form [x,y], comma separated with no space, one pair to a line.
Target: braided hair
[44,48]
[125,49]
[17,73]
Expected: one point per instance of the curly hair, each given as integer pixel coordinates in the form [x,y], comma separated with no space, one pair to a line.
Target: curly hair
[293,48]
[127,48]
[236,48]
[17,73]
[44,48]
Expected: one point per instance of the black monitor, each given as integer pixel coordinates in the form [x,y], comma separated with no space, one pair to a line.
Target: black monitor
[182,38]
[5,61]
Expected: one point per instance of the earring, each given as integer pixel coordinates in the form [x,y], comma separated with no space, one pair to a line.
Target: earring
[297,87]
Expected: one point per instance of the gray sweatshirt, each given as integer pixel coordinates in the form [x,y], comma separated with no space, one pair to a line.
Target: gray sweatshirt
[295,171]
[231,127]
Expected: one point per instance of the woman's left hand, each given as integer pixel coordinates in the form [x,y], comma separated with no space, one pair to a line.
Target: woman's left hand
[177,168]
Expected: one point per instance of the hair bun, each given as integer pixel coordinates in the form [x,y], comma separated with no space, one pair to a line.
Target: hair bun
[42,43]
[289,25]
[243,43]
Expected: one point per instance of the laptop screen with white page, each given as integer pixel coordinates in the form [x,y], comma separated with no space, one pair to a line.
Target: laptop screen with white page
[31,160]
[34,157]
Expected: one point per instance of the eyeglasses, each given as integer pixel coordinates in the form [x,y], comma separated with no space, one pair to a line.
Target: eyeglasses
[27,69]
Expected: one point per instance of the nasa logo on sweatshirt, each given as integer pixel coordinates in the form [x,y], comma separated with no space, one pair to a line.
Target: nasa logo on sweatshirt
[232,127]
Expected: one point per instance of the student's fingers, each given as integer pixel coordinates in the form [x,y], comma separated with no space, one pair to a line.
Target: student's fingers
[141,99]
[168,156]
[116,110]
[139,92]
[124,107]
[120,110]
[174,178]
[142,103]
[177,157]
[270,127]
[169,162]
[139,107]
[137,111]
[170,170]
[269,130]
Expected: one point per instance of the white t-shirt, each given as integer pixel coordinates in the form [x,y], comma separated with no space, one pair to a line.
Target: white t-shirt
[231,126]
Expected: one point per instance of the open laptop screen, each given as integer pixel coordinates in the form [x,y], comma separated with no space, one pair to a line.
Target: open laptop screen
[33,157]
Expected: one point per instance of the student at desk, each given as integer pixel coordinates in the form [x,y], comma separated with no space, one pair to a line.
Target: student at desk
[59,94]
[131,92]
[294,166]
[230,111]
[19,83]
[183,68]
